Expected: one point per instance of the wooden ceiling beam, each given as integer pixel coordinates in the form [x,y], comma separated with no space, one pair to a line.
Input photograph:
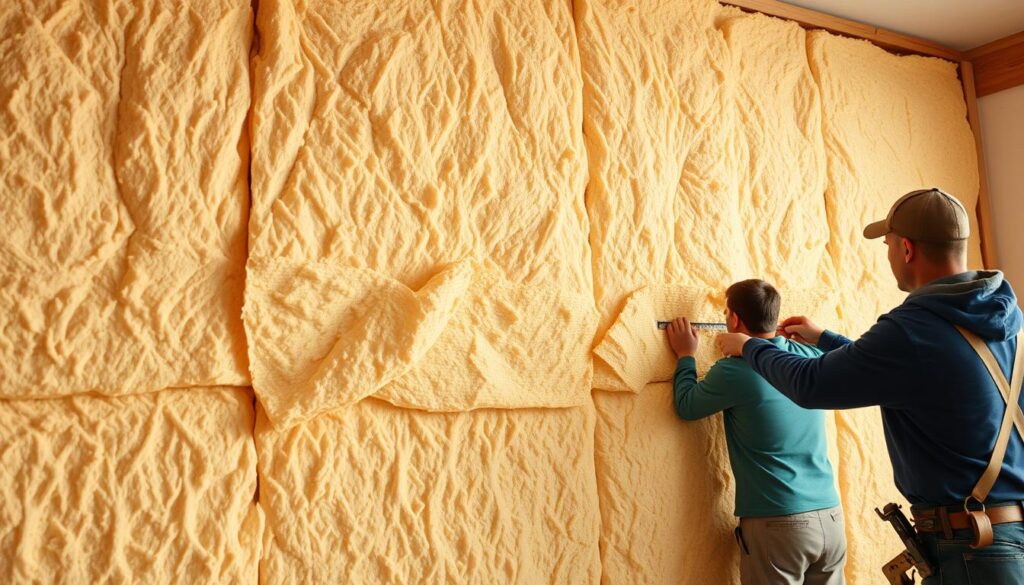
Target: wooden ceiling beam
[998,65]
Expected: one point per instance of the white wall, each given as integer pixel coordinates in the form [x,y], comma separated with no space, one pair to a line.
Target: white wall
[1002,135]
[955,23]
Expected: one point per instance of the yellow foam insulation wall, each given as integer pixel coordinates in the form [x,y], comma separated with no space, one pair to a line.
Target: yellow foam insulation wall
[157,488]
[435,238]
[426,246]
[124,201]
[891,124]
[123,195]
[377,494]
[419,250]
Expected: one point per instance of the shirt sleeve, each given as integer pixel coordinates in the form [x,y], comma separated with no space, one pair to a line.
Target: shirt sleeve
[830,340]
[877,369]
[716,392]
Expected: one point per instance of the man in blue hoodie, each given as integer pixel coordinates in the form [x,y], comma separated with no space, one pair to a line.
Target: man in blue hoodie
[941,408]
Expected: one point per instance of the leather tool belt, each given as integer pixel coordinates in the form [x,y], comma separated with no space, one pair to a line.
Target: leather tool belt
[946,520]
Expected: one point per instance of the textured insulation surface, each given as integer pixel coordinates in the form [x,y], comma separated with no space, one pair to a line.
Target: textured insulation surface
[726,146]
[123,195]
[435,239]
[156,488]
[379,494]
[891,124]
[454,225]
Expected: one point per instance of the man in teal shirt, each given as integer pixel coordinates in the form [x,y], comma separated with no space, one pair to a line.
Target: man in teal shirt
[791,524]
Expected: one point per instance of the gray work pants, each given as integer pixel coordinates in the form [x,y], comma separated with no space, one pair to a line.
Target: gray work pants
[790,550]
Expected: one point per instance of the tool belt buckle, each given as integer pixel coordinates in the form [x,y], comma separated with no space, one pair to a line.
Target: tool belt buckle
[981,524]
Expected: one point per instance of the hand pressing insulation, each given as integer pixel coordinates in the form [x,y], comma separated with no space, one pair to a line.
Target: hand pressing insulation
[682,337]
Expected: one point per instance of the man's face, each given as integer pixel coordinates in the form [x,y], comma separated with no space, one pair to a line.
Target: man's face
[897,260]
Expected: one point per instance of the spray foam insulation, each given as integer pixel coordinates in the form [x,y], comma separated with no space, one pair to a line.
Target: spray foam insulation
[463,221]
[424,250]
[156,488]
[124,198]
[380,494]
[892,124]
[425,247]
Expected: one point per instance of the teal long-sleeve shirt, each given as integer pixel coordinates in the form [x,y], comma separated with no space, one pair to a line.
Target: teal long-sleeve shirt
[778,451]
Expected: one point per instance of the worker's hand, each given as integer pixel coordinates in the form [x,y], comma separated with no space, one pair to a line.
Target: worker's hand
[731,344]
[800,329]
[682,337]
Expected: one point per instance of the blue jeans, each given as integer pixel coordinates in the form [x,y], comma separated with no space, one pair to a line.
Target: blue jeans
[956,563]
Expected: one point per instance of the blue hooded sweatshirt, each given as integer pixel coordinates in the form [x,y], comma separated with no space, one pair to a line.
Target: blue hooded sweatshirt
[941,411]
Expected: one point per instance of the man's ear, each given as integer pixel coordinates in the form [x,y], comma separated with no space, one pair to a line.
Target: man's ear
[908,249]
[732,320]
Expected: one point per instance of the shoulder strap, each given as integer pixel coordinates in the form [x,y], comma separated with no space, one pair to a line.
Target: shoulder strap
[1012,416]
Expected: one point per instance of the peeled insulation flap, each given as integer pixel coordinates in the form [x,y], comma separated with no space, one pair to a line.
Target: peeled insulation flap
[465,340]
[639,352]
[357,179]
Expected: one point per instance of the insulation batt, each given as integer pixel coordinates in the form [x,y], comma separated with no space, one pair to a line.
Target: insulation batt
[418,242]
[435,241]
[123,195]
[891,124]
[427,247]
[703,128]
[155,488]
[380,494]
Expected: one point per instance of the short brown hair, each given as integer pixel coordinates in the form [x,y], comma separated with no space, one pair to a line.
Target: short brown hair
[756,303]
[941,251]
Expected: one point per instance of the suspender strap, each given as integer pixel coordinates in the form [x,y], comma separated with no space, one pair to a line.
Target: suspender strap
[1012,416]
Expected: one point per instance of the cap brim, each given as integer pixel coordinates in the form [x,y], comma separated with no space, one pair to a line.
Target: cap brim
[876,230]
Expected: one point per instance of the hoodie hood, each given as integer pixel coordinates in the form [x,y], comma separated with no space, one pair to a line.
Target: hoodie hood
[982,302]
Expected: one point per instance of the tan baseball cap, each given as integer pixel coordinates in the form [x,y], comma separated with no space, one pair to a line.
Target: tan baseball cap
[927,215]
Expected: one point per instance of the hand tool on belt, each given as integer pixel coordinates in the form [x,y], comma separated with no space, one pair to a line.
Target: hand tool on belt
[912,557]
